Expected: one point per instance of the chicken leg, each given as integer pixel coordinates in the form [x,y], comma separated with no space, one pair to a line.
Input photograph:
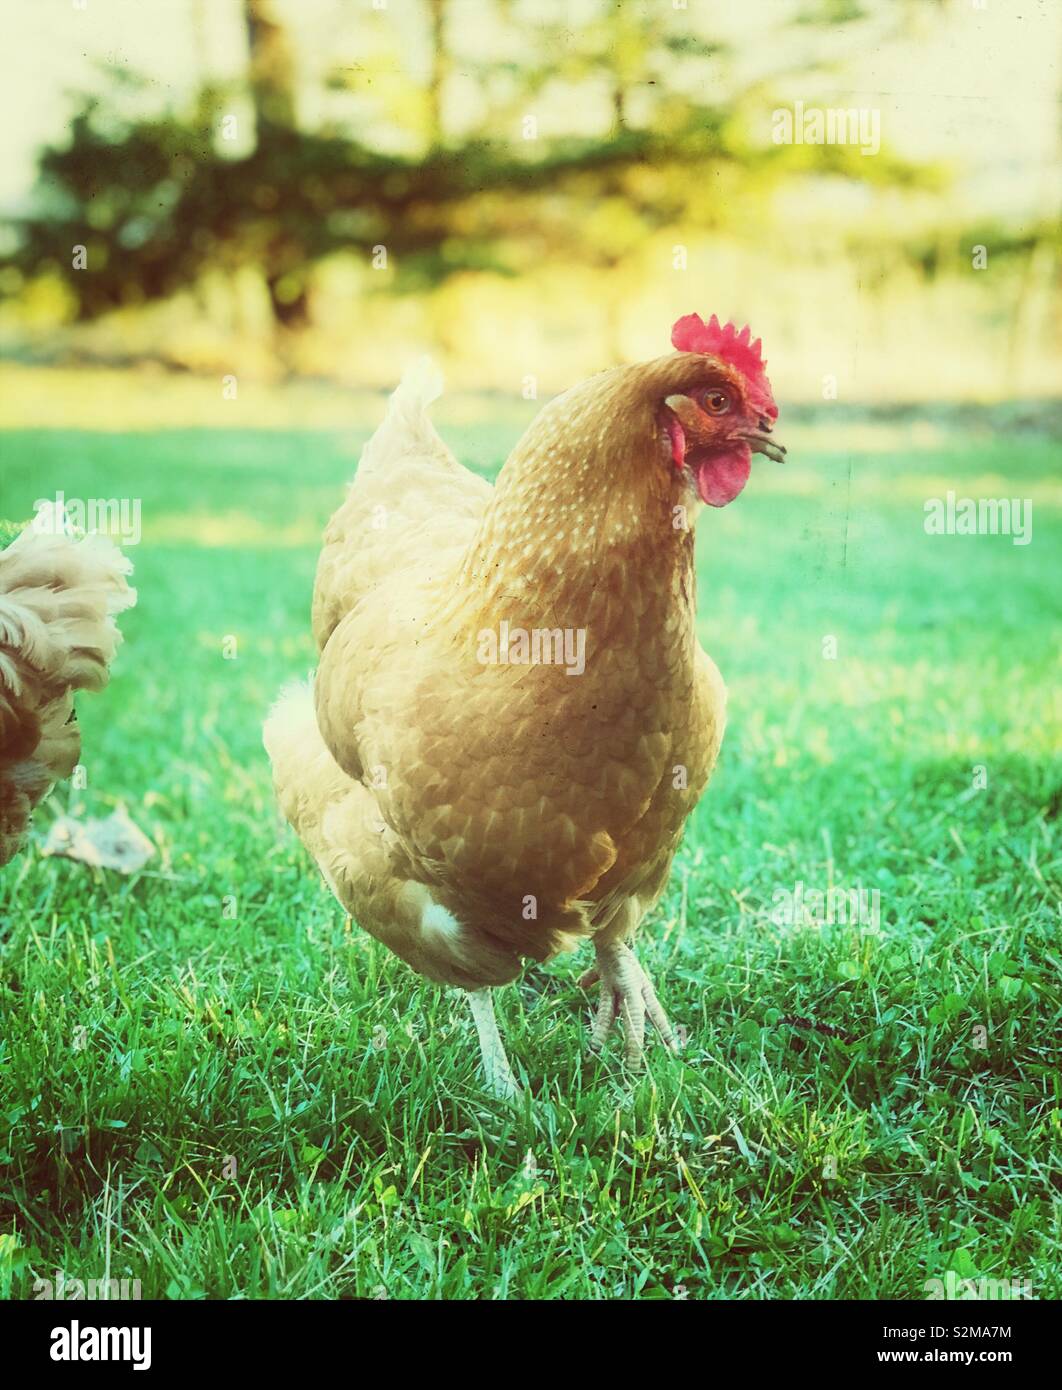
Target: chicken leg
[496,1068]
[627,993]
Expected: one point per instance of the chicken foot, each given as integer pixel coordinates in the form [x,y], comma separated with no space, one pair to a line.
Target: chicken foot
[626,993]
[496,1068]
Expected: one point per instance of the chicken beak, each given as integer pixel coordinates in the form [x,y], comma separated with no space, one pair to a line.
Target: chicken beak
[762,443]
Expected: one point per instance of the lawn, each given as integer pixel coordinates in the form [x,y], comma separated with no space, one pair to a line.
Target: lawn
[213,1083]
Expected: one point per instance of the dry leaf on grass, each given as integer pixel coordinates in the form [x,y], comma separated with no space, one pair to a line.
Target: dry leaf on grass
[113,843]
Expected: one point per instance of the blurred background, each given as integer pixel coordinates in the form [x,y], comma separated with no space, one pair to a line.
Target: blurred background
[532,189]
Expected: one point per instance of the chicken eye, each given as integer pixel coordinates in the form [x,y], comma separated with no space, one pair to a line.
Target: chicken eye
[717,402]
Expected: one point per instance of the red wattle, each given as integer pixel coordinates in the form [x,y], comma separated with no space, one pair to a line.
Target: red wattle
[720,477]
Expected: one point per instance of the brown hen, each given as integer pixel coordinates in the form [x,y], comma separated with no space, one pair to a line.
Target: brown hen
[512,717]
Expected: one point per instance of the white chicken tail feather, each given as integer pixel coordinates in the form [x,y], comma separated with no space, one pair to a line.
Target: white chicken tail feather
[307,779]
[422,383]
[405,428]
[50,550]
[292,713]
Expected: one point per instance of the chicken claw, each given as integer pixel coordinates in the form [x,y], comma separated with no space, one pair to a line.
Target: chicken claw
[496,1068]
[627,993]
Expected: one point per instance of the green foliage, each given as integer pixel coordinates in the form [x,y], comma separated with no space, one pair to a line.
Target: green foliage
[157,201]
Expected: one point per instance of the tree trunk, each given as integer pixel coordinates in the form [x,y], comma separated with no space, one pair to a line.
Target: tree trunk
[272,73]
[439,69]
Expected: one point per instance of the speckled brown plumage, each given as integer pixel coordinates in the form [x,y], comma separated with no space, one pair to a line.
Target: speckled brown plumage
[471,815]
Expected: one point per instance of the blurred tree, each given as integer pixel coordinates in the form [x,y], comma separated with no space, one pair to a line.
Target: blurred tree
[159,201]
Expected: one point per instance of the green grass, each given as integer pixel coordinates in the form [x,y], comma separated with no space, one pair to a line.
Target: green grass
[212,1084]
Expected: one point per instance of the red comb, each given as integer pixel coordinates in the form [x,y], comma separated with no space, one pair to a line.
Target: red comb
[692,334]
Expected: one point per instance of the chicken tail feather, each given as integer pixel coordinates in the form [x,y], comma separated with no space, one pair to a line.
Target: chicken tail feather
[405,428]
[300,760]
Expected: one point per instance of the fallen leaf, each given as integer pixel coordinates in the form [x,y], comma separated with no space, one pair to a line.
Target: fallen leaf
[113,843]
